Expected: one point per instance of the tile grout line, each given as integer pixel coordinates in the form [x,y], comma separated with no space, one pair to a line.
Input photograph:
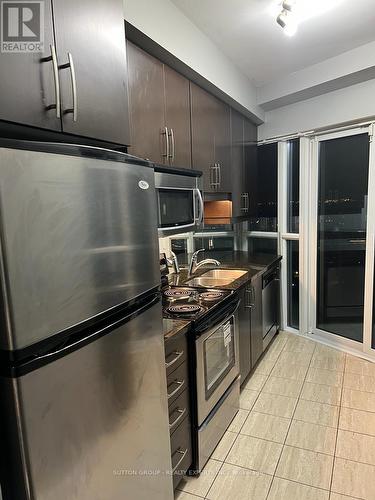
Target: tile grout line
[337,432]
[291,420]
[238,433]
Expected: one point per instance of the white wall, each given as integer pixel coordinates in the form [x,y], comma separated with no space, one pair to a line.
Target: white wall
[352,103]
[164,23]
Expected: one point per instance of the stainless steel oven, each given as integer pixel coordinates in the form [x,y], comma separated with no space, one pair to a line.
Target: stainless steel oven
[217,379]
[180,202]
[217,364]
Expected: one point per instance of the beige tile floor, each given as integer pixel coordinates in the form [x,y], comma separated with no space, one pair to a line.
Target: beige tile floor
[305,430]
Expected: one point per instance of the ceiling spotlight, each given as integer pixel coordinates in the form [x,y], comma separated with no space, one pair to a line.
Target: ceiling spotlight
[288,22]
[282,19]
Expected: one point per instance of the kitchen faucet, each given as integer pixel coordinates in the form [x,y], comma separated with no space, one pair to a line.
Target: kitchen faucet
[194,265]
[172,261]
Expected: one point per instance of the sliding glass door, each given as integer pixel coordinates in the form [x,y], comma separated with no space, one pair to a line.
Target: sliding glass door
[339,211]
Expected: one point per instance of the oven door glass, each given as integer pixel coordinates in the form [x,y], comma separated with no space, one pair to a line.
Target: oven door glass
[176,208]
[219,356]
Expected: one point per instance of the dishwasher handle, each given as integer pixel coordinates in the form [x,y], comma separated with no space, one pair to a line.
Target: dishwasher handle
[270,276]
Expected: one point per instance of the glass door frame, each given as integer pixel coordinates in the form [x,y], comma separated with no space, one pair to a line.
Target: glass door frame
[311,244]
[301,236]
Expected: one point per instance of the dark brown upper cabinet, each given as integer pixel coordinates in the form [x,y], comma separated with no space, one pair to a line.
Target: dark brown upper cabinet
[159,110]
[90,42]
[177,117]
[250,165]
[78,85]
[27,88]
[146,105]
[243,160]
[210,125]
[238,165]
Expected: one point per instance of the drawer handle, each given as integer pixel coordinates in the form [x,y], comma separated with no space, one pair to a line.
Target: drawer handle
[178,355]
[176,420]
[180,384]
[183,455]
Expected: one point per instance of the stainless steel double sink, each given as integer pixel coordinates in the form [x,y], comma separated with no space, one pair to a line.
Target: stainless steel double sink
[216,278]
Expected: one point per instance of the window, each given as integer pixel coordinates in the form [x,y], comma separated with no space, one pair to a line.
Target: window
[264,178]
[214,243]
[341,237]
[262,245]
[293,186]
[179,246]
[293,283]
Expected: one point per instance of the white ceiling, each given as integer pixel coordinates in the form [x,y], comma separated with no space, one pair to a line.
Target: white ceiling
[247,32]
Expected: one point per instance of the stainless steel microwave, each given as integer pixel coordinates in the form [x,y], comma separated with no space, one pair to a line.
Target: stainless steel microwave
[180,202]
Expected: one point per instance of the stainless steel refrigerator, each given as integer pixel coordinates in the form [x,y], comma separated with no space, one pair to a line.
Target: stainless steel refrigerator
[84,412]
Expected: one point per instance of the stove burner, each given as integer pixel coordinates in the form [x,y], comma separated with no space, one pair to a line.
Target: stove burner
[184,309]
[175,293]
[211,295]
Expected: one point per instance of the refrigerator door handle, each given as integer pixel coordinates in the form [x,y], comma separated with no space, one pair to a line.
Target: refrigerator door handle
[50,356]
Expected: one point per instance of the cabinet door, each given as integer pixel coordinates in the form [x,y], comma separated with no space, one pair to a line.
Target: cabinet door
[146,101]
[27,88]
[93,32]
[256,321]
[237,164]
[203,114]
[250,165]
[177,117]
[244,327]
[222,146]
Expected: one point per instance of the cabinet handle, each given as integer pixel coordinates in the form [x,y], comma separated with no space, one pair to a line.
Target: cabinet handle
[178,355]
[172,154]
[181,413]
[248,298]
[219,175]
[56,79]
[213,176]
[180,384]
[73,82]
[165,132]
[245,202]
[183,455]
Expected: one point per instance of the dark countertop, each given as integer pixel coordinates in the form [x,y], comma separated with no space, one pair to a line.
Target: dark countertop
[255,265]
[173,326]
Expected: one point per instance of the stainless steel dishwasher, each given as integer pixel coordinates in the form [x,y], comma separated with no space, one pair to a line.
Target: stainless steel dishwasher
[270,304]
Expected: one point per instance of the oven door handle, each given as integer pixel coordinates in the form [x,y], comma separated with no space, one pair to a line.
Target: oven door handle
[206,328]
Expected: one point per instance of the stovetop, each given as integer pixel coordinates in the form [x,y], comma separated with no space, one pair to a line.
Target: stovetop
[191,303]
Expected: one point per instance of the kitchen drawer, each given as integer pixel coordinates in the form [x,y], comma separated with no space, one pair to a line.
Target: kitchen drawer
[181,451]
[178,410]
[175,352]
[177,382]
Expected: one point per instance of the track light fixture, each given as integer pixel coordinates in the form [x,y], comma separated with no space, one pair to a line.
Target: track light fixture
[286,17]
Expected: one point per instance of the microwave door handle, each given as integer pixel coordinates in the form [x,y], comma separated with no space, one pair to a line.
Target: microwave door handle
[173,228]
[199,219]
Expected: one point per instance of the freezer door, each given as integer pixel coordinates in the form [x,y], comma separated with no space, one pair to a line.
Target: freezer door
[78,237]
[94,424]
